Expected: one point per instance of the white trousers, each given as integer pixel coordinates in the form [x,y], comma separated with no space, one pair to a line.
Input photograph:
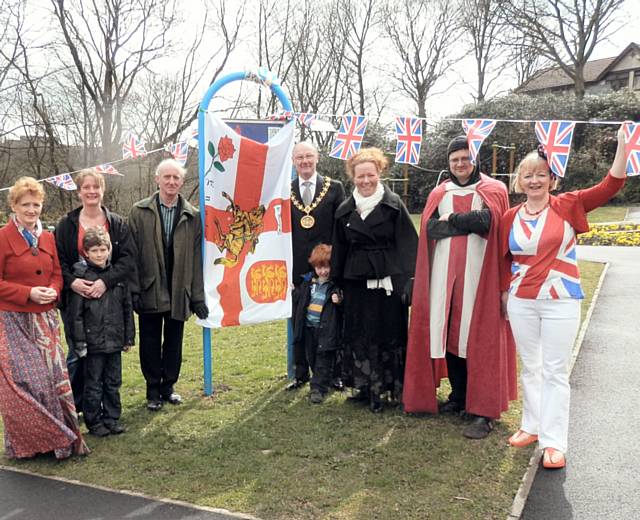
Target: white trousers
[545,331]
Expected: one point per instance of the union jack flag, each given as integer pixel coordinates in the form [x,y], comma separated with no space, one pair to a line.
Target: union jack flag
[349,137]
[282,116]
[190,135]
[556,138]
[477,130]
[133,147]
[108,169]
[180,151]
[64,181]
[409,137]
[306,119]
[557,275]
[632,147]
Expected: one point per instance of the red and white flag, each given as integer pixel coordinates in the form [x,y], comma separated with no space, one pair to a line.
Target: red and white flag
[248,258]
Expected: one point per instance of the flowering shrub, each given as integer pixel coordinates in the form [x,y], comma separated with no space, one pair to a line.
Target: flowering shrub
[611,235]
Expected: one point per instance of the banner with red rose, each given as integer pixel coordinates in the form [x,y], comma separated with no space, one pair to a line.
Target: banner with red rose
[248,255]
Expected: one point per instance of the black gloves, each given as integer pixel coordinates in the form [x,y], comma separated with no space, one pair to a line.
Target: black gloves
[200,309]
[405,296]
[135,302]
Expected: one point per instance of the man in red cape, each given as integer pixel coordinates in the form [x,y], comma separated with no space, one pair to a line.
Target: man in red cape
[457,329]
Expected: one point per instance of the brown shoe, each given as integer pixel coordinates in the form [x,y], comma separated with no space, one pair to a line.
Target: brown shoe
[479,428]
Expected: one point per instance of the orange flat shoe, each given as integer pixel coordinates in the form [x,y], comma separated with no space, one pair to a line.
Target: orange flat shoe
[553,459]
[520,439]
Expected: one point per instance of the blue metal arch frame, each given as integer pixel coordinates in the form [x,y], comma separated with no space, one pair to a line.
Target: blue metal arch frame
[204,106]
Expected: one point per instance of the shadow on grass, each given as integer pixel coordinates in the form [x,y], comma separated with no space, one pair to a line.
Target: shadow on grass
[259,449]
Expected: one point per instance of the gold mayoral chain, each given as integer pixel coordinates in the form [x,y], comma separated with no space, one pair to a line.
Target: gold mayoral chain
[307,221]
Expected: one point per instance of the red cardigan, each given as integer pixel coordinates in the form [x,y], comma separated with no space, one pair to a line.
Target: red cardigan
[20,270]
[572,206]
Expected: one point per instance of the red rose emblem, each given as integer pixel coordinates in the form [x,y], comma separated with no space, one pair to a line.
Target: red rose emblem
[225,148]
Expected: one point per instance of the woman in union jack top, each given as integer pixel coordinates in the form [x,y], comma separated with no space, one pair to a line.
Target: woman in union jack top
[542,293]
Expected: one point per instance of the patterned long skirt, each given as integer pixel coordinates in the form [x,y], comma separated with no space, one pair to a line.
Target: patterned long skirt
[36,402]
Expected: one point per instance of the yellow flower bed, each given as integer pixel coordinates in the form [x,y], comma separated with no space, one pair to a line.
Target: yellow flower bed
[611,235]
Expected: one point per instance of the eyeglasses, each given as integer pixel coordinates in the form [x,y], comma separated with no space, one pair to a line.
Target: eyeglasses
[460,160]
[305,157]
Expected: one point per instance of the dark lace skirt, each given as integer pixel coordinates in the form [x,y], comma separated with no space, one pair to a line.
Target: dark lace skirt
[375,339]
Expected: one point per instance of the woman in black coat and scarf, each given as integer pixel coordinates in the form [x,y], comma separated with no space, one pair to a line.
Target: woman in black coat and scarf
[373,261]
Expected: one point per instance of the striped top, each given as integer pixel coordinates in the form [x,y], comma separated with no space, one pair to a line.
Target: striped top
[317,300]
[544,264]
[167,215]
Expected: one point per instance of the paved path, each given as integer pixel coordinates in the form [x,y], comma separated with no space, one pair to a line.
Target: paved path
[29,497]
[602,477]
[633,215]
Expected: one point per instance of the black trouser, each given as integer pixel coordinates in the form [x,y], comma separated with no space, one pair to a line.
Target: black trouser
[160,352]
[321,363]
[457,369]
[102,381]
[301,355]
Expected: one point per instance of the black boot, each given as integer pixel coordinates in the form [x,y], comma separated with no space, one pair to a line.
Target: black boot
[375,403]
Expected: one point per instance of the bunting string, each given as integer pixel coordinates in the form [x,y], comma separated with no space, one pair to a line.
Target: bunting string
[555,136]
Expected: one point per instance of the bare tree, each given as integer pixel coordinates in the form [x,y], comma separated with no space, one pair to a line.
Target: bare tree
[565,31]
[356,20]
[482,21]
[109,44]
[525,59]
[423,34]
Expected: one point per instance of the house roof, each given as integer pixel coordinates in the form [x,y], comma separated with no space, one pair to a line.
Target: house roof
[554,77]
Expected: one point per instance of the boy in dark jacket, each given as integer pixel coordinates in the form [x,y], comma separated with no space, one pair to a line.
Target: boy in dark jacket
[102,328]
[317,321]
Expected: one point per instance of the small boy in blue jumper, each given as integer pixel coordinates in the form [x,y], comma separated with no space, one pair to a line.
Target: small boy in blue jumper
[102,328]
[317,321]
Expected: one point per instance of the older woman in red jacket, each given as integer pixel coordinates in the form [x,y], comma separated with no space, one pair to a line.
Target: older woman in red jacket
[36,403]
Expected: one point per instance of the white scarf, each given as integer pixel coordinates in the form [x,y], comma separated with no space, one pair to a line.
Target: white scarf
[365,205]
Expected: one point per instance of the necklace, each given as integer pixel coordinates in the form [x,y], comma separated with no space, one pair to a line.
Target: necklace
[534,213]
[307,221]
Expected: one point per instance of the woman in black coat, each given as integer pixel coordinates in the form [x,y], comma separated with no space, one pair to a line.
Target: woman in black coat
[373,260]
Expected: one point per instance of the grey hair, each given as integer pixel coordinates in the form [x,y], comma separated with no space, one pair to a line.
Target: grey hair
[172,164]
[310,144]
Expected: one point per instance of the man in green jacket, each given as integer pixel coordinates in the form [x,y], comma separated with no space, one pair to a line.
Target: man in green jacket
[167,284]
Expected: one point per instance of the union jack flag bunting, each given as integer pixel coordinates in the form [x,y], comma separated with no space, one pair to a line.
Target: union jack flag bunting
[133,147]
[409,136]
[349,137]
[64,181]
[190,135]
[477,130]
[180,151]
[108,169]
[306,119]
[282,116]
[556,138]
[632,148]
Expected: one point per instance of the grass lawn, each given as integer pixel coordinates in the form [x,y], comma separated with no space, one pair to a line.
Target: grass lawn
[256,448]
[607,214]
